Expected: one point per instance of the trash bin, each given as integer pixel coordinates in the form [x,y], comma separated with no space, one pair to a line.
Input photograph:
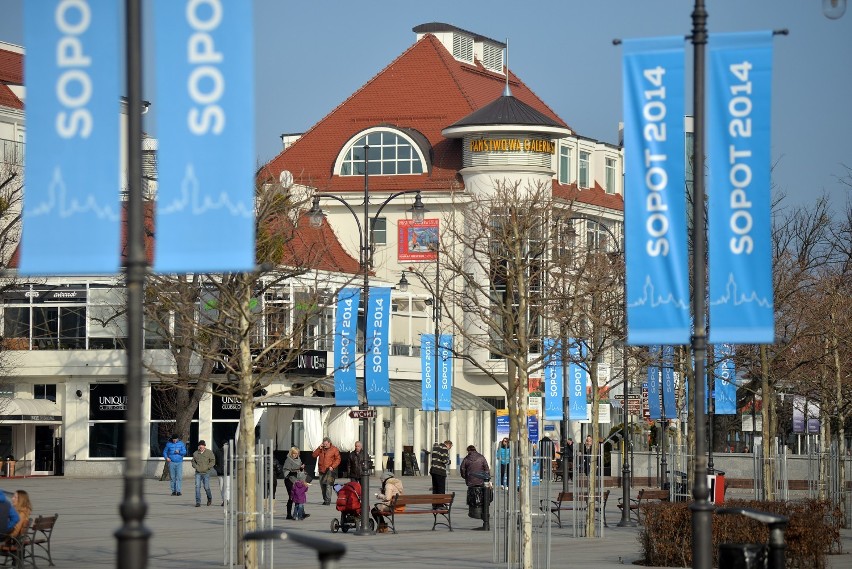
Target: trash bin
[716,484]
[742,555]
[475,501]
[9,467]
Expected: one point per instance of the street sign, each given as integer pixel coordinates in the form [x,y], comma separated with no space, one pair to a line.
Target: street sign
[363,413]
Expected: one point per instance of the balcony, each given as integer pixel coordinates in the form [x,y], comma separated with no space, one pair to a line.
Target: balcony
[12,152]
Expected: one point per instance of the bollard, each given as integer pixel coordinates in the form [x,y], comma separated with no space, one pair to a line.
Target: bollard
[745,554]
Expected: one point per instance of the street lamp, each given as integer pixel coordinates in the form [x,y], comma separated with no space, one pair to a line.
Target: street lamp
[365,234]
[625,464]
[436,317]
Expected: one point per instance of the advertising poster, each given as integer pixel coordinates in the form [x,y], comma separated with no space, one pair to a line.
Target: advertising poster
[417,241]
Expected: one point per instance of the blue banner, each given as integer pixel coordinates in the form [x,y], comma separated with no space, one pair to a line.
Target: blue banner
[345,332]
[72,211]
[553,392]
[427,369]
[669,400]
[725,386]
[578,379]
[740,248]
[445,372]
[376,357]
[654,188]
[205,120]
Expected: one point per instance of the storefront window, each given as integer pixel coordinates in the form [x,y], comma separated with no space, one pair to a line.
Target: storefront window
[107,409]
[163,410]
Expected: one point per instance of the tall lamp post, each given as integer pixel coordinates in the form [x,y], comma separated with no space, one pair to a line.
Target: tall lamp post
[436,317]
[625,464]
[133,536]
[365,234]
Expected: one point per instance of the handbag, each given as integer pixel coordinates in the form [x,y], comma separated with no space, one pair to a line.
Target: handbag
[328,477]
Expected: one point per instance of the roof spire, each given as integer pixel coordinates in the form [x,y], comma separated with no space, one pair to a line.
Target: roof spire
[507,92]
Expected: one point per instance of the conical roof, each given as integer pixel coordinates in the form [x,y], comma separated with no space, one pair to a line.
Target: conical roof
[506,111]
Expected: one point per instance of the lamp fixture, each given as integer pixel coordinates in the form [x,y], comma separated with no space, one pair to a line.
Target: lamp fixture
[833,9]
[402,285]
[78,393]
[418,210]
[315,214]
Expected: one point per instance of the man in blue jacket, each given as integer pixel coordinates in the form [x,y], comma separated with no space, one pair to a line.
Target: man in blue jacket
[174,452]
[9,516]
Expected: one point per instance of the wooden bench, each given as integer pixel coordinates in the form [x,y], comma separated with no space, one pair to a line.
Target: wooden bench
[32,544]
[645,496]
[564,502]
[435,504]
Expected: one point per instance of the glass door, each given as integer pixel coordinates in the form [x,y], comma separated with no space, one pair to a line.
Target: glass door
[43,450]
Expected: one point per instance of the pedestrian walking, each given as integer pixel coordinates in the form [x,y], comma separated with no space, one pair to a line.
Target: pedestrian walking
[300,495]
[174,452]
[504,454]
[292,466]
[355,465]
[203,461]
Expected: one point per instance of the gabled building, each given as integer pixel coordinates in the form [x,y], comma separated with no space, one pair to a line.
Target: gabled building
[448,118]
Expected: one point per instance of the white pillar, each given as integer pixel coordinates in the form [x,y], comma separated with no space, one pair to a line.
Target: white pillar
[470,432]
[454,436]
[399,427]
[417,442]
[378,435]
[487,443]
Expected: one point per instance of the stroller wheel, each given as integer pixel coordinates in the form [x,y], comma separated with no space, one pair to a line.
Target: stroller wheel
[372,525]
[344,528]
[335,525]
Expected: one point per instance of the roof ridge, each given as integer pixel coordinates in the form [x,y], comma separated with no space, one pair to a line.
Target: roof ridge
[349,98]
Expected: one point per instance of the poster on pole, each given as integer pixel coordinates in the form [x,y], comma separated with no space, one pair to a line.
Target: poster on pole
[417,242]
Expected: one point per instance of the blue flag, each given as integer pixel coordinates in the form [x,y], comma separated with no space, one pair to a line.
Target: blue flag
[553,380]
[669,400]
[345,332]
[376,352]
[655,203]
[72,212]
[445,372]
[427,368]
[578,379]
[725,386]
[740,247]
[205,119]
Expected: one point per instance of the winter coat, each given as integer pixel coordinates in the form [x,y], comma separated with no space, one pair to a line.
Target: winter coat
[202,462]
[328,458]
[440,459]
[390,488]
[472,464]
[355,466]
[175,451]
[299,493]
[291,467]
[504,454]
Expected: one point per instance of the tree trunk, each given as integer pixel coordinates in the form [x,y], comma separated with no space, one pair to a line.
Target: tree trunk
[593,467]
[247,495]
[768,437]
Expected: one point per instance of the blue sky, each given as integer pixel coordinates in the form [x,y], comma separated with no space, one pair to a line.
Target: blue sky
[310,56]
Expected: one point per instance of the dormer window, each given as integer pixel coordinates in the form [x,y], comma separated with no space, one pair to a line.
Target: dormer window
[463,47]
[391,153]
[492,57]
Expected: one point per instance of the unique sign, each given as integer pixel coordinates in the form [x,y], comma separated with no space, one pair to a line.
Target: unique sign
[107,401]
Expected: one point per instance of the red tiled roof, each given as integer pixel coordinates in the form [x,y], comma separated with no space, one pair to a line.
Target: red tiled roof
[11,67]
[9,99]
[424,89]
[591,196]
[310,248]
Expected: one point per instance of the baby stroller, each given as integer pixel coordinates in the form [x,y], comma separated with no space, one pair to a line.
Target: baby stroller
[349,506]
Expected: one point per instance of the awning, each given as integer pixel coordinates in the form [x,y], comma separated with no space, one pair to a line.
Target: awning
[29,411]
[404,393]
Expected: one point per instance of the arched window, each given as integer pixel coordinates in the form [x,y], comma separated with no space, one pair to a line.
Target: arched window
[391,153]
